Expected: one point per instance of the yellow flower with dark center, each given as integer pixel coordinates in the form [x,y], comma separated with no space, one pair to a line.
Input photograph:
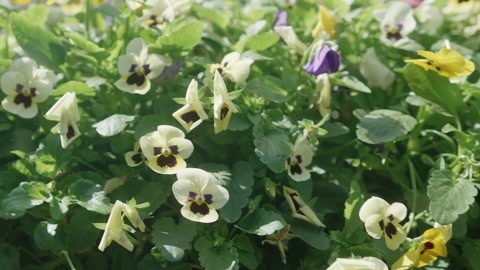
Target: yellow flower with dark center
[446,62]
[326,23]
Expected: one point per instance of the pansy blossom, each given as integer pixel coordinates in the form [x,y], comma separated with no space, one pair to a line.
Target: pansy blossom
[166,149]
[159,13]
[288,35]
[326,23]
[200,195]
[115,230]
[447,62]
[325,60]
[137,67]
[192,113]
[396,23]
[26,85]
[382,219]
[65,110]
[235,67]
[135,157]
[301,157]
[222,105]
[299,208]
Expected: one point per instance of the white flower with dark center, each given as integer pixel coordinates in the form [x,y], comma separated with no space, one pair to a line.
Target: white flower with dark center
[65,110]
[381,218]
[192,113]
[166,149]
[137,67]
[26,85]
[135,157]
[222,105]
[302,157]
[396,23]
[114,230]
[158,15]
[234,67]
[200,195]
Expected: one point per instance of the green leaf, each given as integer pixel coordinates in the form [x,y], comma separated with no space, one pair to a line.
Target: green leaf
[58,208]
[171,238]
[471,249]
[81,90]
[262,41]
[51,158]
[155,193]
[435,88]
[41,45]
[37,14]
[449,196]
[48,236]
[147,124]
[217,17]
[262,222]
[309,233]
[353,225]
[180,40]
[382,126]
[90,196]
[268,87]
[25,196]
[351,82]
[113,125]
[83,43]
[240,187]
[224,256]
[272,147]
[82,235]
[9,257]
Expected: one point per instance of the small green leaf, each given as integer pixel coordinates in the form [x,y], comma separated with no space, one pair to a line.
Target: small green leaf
[262,41]
[58,208]
[47,237]
[219,18]
[262,222]
[224,256]
[351,82]
[449,196]
[25,196]
[171,238]
[82,90]
[240,187]
[81,234]
[309,233]
[155,193]
[83,43]
[35,14]
[113,125]
[268,87]
[353,225]
[90,196]
[180,40]
[272,147]
[51,158]
[382,126]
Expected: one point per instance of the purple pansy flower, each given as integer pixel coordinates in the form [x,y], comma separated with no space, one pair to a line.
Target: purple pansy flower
[281,19]
[325,60]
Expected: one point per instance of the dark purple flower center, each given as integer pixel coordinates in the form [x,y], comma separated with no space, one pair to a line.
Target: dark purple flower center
[136,78]
[201,208]
[208,198]
[19,88]
[191,196]
[224,111]
[167,161]
[190,117]
[23,98]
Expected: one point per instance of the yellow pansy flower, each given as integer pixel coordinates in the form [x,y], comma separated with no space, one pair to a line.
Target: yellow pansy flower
[446,62]
[326,23]
[20,2]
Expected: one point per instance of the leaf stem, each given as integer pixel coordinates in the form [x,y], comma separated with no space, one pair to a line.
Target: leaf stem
[67,257]
[87,18]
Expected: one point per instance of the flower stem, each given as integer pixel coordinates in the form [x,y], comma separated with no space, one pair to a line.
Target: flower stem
[87,18]
[67,257]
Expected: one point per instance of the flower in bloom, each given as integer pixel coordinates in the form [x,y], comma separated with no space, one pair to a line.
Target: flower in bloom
[281,19]
[301,157]
[432,246]
[192,113]
[376,73]
[26,85]
[326,23]
[222,105]
[396,22]
[233,66]
[114,230]
[287,33]
[159,13]
[445,229]
[413,3]
[135,157]
[367,263]
[65,110]
[200,195]
[323,94]
[381,218]
[325,60]
[461,9]
[137,67]
[299,208]
[166,149]
[447,62]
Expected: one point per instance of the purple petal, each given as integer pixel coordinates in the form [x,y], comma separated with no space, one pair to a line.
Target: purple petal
[325,61]
[281,19]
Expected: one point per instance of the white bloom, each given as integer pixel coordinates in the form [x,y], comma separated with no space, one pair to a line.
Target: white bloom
[26,85]
[376,73]
[222,105]
[290,38]
[137,67]
[366,263]
[233,66]
[114,230]
[199,194]
[396,23]
[166,149]
[159,13]
[135,157]
[302,157]
[381,218]
[429,16]
[192,113]
[65,110]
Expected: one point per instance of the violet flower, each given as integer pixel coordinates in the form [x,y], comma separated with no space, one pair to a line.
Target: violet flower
[325,60]
[281,19]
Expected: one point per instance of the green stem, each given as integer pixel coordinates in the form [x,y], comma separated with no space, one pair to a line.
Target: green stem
[413,179]
[87,18]
[6,52]
[67,257]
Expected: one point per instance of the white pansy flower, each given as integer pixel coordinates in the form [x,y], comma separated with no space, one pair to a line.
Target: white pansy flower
[376,73]
[299,208]
[301,157]
[199,194]
[166,149]
[65,110]
[396,23]
[137,67]
[222,105]
[233,66]
[159,13]
[26,85]
[114,230]
[135,157]
[288,35]
[192,113]
[381,218]
[366,263]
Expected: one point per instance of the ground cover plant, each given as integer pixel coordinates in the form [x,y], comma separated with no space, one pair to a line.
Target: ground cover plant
[230,134]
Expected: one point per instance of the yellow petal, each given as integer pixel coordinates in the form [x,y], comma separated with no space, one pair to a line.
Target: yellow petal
[326,22]
[447,62]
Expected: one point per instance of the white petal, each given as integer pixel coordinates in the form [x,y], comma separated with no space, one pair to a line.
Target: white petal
[219,194]
[372,206]
[72,131]
[230,59]
[10,80]
[43,88]
[185,147]
[125,63]
[398,211]
[239,71]
[293,172]
[303,148]
[367,263]
[19,109]
[182,188]
[156,64]
[199,177]
[137,46]
[372,226]
[168,132]
[67,102]
[26,66]
[147,143]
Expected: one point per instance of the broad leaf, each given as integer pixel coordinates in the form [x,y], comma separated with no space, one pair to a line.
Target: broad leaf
[48,236]
[224,256]
[272,147]
[171,238]
[449,196]
[90,196]
[23,197]
[181,40]
[51,158]
[81,90]
[268,87]
[81,234]
[352,83]
[262,222]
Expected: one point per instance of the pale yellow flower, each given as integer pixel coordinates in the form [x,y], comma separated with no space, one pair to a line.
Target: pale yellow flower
[446,62]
